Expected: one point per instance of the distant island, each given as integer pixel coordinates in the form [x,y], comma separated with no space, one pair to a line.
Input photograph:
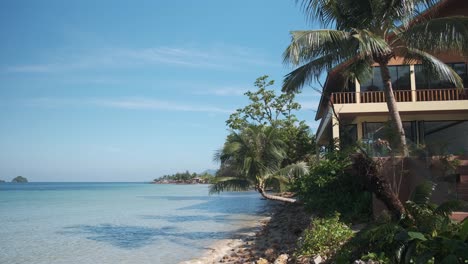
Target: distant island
[19,179]
[185,178]
[2,181]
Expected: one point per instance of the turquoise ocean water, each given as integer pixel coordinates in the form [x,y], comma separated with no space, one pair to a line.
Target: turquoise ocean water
[117,222]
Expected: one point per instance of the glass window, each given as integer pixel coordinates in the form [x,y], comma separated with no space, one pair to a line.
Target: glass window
[399,76]
[460,69]
[424,80]
[348,135]
[421,76]
[378,136]
[365,85]
[445,137]
[377,79]
[403,81]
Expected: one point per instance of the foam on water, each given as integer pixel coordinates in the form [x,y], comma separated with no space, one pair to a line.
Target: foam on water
[118,222]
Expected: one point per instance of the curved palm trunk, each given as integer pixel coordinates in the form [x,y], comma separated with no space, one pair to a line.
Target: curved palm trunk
[392,107]
[365,168]
[275,198]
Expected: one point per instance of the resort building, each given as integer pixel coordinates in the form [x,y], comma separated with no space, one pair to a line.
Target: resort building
[434,113]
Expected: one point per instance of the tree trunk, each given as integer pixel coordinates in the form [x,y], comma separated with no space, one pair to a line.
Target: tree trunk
[275,198]
[392,107]
[365,168]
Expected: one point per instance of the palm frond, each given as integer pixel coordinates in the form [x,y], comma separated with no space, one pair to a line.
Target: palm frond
[448,207]
[342,13]
[422,193]
[447,34]
[370,44]
[360,69]
[295,80]
[294,170]
[434,66]
[307,45]
[230,184]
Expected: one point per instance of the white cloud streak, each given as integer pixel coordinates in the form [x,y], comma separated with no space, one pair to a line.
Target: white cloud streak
[220,57]
[130,103]
[223,91]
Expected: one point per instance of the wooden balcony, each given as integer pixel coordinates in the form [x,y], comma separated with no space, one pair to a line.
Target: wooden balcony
[401,96]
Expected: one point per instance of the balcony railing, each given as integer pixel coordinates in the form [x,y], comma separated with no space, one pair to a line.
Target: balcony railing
[400,96]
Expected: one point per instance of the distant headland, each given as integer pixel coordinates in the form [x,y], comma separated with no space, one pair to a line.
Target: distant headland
[19,179]
[186,178]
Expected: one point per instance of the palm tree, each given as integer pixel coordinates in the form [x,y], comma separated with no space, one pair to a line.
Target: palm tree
[368,32]
[251,158]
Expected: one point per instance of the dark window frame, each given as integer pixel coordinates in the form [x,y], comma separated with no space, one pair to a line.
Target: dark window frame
[378,85]
[429,83]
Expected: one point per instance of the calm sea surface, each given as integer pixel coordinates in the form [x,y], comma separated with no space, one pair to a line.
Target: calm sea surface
[117,222]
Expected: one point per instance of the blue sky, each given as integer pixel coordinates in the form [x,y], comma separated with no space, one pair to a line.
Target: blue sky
[128,91]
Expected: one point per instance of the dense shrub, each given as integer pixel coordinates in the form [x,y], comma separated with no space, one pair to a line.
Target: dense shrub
[428,236]
[328,189]
[324,237]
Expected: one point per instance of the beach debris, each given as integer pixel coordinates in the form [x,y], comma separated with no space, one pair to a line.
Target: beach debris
[282,259]
[318,259]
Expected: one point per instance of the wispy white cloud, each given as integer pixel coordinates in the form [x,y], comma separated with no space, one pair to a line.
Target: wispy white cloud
[222,91]
[131,103]
[217,57]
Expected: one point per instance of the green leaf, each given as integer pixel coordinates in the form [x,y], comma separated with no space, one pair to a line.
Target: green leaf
[450,259]
[416,235]
[464,230]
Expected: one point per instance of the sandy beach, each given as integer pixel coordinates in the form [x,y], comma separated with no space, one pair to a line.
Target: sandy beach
[269,238]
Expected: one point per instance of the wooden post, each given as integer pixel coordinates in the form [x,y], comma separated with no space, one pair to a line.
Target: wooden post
[358,92]
[413,83]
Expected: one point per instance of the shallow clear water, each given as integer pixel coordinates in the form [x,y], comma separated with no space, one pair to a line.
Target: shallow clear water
[117,222]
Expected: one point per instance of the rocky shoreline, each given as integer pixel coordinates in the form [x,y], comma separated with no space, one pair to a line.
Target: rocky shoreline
[272,241]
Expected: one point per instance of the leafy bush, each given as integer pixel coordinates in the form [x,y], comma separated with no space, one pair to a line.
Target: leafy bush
[428,236]
[328,189]
[324,237]
[380,258]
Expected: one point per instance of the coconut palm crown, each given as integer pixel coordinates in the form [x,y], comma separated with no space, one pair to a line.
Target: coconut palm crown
[251,159]
[369,32]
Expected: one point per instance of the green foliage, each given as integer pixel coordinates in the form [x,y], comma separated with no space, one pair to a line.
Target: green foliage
[328,188]
[429,236]
[369,32]
[265,108]
[324,237]
[252,158]
[20,179]
[380,258]
[268,109]
[186,177]
[359,37]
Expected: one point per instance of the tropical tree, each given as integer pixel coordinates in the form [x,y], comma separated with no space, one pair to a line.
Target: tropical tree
[251,158]
[370,32]
[267,108]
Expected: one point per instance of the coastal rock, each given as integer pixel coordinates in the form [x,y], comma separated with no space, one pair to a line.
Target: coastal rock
[282,259]
[262,261]
[318,259]
[20,179]
[270,253]
[365,262]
